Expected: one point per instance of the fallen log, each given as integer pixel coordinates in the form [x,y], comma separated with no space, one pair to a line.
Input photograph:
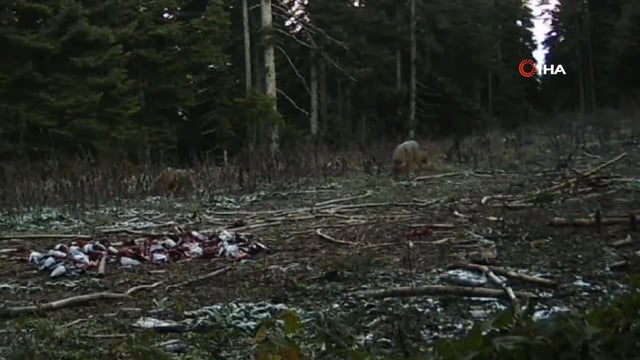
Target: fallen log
[593,221]
[507,273]
[44,236]
[16,311]
[440,290]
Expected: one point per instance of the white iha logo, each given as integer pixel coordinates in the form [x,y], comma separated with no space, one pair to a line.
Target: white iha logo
[528,68]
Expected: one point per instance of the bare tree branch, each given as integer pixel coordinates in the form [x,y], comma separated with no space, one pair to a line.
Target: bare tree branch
[295,70]
[339,67]
[291,36]
[293,103]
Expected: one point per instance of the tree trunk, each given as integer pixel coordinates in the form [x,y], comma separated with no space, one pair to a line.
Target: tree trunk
[398,70]
[363,130]
[581,62]
[346,121]
[313,117]
[398,51]
[490,94]
[477,91]
[340,116]
[251,124]
[589,66]
[258,67]
[259,128]
[323,97]
[247,46]
[581,84]
[412,80]
[270,71]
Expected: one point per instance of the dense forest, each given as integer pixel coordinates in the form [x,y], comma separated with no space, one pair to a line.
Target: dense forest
[191,78]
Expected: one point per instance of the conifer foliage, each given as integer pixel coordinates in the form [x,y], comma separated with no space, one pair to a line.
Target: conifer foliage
[169,75]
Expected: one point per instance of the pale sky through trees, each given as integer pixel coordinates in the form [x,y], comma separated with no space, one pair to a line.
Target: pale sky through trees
[541,26]
[541,21]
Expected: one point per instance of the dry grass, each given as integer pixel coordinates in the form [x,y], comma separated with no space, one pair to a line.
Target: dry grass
[86,184]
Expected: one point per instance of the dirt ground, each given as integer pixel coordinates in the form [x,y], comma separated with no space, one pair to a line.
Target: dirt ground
[366,247]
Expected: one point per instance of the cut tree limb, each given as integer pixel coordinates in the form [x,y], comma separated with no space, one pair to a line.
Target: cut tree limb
[507,273]
[521,200]
[618,265]
[515,303]
[440,176]
[452,174]
[562,221]
[434,242]
[349,198]
[137,230]
[434,226]
[200,278]
[574,180]
[439,290]
[626,241]
[332,239]
[44,236]
[384,204]
[12,312]
[253,226]
[102,266]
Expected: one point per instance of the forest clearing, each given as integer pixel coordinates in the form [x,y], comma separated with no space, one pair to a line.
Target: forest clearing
[293,179]
[389,254]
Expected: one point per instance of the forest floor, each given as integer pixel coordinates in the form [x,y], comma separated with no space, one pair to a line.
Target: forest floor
[359,239]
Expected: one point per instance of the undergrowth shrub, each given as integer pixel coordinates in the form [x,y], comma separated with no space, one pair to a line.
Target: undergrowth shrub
[604,333]
[608,333]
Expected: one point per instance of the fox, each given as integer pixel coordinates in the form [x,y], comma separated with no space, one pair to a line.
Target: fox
[408,156]
[173,182]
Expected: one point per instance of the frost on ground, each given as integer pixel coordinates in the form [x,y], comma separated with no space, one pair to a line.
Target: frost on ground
[338,255]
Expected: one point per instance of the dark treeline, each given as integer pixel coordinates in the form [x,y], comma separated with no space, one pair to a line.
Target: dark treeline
[124,78]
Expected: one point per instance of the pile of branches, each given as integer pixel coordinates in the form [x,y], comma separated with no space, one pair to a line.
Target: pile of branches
[583,182]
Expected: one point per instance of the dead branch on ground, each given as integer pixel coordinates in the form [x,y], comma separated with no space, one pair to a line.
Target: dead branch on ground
[434,226]
[44,236]
[507,273]
[515,303]
[626,241]
[434,242]
[12,312]
[594,221]
[439,290]
[199,278]
[519,201]
[453,174]
[137,229]
[332,239]
[102,266]
[349,198]
[440,176]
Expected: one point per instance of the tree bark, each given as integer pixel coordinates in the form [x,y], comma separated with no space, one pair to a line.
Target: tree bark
[591,85]
[363,130]
[340,98]
[270,71]
[490,94]
[247,46]
[581,83]
[347,121]
[412,80]
[252,128]
[323,97]
[398,51]
[581,63]
[398,70]
[313,116]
